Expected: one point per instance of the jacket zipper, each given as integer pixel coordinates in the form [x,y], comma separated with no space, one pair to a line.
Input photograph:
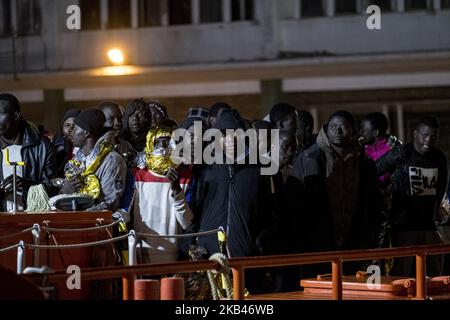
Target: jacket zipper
[230,177]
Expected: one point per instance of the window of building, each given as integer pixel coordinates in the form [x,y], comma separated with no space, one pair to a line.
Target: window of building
[179,12]
[385,5]
[210,10]
[345,6]
[90,14]
[312,8]
[5,18]
[445,4]
[119,14]
[411,5]
[29,20]
[149,13]
[241,10]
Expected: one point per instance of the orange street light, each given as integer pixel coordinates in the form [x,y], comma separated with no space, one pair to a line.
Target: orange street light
[116,56]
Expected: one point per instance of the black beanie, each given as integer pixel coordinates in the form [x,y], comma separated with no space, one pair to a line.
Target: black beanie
[217,107]
[13,104]
[229,119]
[280,111]
[91,120]
[71,113]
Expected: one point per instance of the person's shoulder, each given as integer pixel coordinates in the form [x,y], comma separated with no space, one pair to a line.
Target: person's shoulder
[309,154]
[440,156]
[45,142]
[125,146]
[407,148]
[115,158]
[32,136]
[307,161]
[313,152]
[312,155]
[398,150]
[210,172]
[393,141]
[58,140]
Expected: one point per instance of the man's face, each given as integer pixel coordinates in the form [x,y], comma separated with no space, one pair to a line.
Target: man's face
[425,139]
[339,132]
[79,136]
[367,132]
[289,123]
[113,120]
[137,121]
[68,127]
[157,117]
[229,144]
[288,148]
[162,146]
[213,119]
[7,118]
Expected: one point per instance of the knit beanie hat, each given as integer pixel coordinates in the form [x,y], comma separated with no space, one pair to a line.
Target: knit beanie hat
[280,111]
[71,113]
[91,120]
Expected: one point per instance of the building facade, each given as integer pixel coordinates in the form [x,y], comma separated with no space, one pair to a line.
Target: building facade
[317,54]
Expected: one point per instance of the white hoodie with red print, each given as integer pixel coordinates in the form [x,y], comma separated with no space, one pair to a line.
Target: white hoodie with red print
[158,211]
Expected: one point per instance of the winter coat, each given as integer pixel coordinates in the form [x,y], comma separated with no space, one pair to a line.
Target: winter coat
[39,157]
[335,201]
[235,197]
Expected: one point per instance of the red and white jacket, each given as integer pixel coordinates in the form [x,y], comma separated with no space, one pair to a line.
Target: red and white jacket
[158,211]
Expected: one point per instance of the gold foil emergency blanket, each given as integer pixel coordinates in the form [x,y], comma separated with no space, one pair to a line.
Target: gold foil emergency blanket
[91,184]
[158,162]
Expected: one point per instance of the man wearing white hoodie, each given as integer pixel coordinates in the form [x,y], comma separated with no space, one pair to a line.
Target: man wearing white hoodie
[161,199]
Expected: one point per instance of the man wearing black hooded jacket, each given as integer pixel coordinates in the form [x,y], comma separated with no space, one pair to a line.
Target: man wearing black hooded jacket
[338,200]
[233,196]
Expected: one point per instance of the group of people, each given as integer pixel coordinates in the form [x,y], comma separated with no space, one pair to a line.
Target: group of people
[351,186]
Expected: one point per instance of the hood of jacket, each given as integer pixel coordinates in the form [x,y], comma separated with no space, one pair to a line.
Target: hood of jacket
[333,153]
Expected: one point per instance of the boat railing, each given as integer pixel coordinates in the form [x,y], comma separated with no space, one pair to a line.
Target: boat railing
[239,265]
